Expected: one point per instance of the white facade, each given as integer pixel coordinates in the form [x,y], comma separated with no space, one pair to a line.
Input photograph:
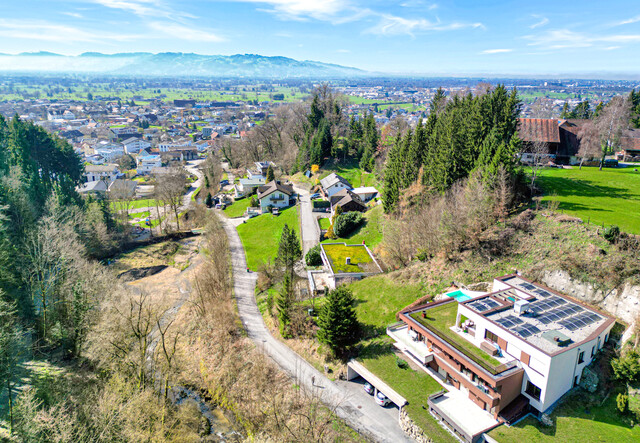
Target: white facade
[111,152]
[107,172]
[135,146]
[335,188]
[276,199]
[553,373]
[146,163]
[165,147]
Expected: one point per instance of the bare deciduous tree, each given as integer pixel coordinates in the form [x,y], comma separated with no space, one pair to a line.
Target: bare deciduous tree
[170,187]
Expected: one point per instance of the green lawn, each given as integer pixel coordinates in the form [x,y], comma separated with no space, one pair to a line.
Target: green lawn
[324,223]
[260,235]
[354,175]
[238,208]
[610,196]
[369,232]
[338,253]
[415,387]
[574,422]
[439,319]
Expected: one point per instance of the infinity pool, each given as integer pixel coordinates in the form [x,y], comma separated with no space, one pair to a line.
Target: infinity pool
[459,295]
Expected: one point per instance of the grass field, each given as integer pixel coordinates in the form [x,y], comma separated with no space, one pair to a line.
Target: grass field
[338,253]
[610,196]
[574,423]
[369,232]
[260,235]
[238,208]
[354,175]
[324,223]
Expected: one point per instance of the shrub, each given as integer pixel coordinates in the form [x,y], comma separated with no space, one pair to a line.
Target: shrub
[321,204]
[402,364]
[346,223]
[313,257]
[622,400]
[627,367]
[612,233]
[254,201]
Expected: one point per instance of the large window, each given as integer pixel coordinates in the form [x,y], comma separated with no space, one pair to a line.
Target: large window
[533,391]
[490,336]
[581,357]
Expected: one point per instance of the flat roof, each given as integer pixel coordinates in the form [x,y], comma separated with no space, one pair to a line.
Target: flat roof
[361,261]
[550,321]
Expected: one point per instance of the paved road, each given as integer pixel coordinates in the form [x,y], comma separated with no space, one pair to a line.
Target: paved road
[355,406]
[192,167]
[310,232]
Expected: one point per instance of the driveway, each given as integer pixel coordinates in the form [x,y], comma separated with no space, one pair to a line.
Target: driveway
[192,167]
[309,226]
[355,406]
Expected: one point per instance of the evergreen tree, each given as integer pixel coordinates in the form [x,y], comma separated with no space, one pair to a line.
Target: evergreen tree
[289,251]
[634,100]
[315,113]
[209,200]
[565,114]
[284,302]
[270,174]
[11,345]
[339,327]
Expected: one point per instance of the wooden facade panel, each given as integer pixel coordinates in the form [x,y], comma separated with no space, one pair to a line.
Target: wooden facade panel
[524,358]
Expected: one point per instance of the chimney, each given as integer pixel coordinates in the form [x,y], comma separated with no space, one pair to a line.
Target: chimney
[348,260]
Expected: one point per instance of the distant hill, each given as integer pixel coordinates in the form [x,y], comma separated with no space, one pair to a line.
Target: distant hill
[175,64]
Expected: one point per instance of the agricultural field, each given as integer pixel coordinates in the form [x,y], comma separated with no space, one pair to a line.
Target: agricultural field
[609,197]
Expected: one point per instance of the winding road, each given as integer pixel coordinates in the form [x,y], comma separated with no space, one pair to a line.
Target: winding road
[354,406]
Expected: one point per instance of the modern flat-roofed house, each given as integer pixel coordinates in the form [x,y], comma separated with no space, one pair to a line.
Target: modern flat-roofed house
[275,195]
[366,193]
[260,170]
[517,349]
[247,185]
[106,173]
[346,263]
[134,145]
[145,163]
[333,183]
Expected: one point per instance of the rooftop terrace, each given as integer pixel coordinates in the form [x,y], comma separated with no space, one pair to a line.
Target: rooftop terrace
[360,261]
[440,319]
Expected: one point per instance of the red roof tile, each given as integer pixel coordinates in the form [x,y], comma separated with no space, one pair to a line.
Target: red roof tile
[539,130]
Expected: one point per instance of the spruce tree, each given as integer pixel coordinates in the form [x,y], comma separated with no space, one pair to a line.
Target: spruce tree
[270,174]
[289,251]
[339,327]
[284,301]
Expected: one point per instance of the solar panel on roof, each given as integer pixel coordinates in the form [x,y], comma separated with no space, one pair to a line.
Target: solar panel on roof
[549,303]
[527,286]
[526,330]
[509,321]
[580,321]
[484,305]
[542,292]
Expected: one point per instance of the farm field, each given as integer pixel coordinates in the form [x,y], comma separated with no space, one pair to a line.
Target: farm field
[609,197]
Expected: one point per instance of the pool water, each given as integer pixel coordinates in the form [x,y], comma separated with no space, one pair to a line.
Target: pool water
[459,295]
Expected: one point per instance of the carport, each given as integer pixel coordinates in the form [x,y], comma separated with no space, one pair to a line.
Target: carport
[355,369]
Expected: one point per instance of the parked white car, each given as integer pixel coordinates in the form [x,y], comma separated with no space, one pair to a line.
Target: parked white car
[382,399]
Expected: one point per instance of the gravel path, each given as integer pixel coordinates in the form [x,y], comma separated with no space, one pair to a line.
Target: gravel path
[355,406]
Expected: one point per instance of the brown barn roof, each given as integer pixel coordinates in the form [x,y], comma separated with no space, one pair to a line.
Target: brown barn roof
[539,130]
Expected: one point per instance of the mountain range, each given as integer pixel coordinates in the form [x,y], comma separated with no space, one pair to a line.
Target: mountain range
[174,64]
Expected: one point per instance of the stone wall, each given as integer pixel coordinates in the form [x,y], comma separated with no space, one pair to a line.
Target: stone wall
[622,302]
[411,429]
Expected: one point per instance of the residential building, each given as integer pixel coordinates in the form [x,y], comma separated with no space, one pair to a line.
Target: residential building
[109,151]
[246,186]
[519,348]
[347,200]
[274,195]
[344,263]
[98,187]
[333,183]
[123,189]
[145,163]
[366,193]
[259,170]
[134,145]
[172,146]
[106,173]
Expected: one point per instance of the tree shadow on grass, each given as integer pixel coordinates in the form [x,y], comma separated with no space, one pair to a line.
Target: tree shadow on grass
[375,348]
[566,187]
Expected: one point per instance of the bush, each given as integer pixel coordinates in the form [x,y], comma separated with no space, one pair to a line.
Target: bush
[612,233]
[255,202]
[622,400]
[346,223]
[321,204]
[627,367]
[402,364]
[313,257]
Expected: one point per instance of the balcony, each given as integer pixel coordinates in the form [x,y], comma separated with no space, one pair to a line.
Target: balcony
[440,320]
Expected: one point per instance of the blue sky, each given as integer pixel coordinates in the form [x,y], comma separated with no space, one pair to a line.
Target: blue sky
[403,36]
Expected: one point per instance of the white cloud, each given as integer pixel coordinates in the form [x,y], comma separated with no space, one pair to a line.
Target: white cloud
[73,14]
[394,25]
[611,48]
[186,32]
[303,9]
[53,32]
[629,21]
[496,51]
[543,21]
[564,38]
[145,8]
